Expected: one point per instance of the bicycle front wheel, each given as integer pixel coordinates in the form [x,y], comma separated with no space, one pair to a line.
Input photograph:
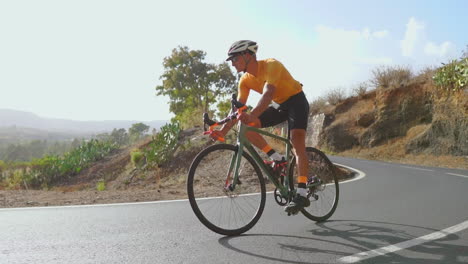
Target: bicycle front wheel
[323,190]
[222,209]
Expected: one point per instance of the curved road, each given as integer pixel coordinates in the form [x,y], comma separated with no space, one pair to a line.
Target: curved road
[395,214]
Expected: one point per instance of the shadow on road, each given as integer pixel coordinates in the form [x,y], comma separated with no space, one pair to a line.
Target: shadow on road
[333,240]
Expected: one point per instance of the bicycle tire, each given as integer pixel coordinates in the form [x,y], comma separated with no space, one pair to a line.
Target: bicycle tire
[328,192]
[205,181]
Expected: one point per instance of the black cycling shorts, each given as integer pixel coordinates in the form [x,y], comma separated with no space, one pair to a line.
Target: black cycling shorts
[295,110]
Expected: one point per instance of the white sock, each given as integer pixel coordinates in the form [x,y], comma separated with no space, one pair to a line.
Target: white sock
[276,156]
[302,192]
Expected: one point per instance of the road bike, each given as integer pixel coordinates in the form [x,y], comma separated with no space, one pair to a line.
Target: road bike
[227,188]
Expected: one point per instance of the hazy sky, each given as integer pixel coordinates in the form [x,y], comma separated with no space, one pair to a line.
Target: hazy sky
[101,59]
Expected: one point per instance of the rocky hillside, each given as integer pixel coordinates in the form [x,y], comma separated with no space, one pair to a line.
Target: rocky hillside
[416,119]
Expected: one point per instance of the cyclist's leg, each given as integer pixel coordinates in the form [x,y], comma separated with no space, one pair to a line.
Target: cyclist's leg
[300,200]
[298,141]
[298,114]
[298,109]
[268,118]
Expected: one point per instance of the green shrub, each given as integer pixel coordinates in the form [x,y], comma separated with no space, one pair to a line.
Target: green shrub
[391,77]
[163,145]
[3,166]
[50,169]
[137,158]
[15,179]
[452,76]
[101,185]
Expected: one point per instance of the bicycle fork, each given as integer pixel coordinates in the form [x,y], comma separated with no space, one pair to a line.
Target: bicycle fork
[232,177]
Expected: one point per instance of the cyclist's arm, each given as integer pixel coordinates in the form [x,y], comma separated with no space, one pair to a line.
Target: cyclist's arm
[244,92]
[226,127]
[264,101]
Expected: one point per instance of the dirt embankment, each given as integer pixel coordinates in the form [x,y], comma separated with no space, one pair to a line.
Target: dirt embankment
[416,124]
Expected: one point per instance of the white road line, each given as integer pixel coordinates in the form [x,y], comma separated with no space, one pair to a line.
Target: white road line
[466,176]
[416,168]
[403,245]
[90,205]
[360,176]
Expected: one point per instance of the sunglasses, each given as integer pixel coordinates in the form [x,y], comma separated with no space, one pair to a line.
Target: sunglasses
[235,59]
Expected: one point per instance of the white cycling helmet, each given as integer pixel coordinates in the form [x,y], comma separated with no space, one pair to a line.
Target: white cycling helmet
[242,46]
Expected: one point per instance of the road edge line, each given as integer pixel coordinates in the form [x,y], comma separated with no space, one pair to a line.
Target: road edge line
[360,173]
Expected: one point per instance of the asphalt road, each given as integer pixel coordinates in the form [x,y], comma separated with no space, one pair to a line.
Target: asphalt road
[395,214]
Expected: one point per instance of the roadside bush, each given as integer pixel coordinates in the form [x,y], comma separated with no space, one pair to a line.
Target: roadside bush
[385,77]
[335,96]
[101,185]
[452,76]
[360,90]
[163,145]
[2,166]
[15,179]
[317,106]
[426,74]
[137,158]
[50,169]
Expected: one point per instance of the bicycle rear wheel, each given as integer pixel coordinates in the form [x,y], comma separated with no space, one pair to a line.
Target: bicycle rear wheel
[225,211]
[323,192]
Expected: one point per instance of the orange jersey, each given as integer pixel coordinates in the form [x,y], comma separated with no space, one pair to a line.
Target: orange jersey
[270,71]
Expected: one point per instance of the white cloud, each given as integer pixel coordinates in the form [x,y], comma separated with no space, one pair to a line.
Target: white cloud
[337,57]
[419,49]
[413,35]
[368,35]
[443,50]
[381,34]
[351,46]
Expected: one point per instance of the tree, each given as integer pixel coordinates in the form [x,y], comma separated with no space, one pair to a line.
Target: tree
[16,153]
[137,131]
[119,136]
[193,84]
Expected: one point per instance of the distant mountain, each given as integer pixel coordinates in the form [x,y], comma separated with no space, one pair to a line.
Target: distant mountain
[15,135]
[9,118]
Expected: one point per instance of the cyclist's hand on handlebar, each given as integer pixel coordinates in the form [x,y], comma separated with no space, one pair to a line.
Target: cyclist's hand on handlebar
[217,134]
[248,119]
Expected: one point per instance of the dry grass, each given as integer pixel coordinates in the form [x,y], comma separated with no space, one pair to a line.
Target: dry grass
[318,105]
[335,96]
[360,90]
[425,75]
[391,77]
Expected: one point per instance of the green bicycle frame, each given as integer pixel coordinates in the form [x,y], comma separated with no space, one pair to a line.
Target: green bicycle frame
[243,142]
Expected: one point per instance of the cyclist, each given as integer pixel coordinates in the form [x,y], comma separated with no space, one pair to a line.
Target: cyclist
[271,79]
